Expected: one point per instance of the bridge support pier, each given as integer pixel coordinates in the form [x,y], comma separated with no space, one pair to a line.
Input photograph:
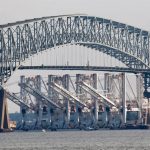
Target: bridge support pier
[4,121]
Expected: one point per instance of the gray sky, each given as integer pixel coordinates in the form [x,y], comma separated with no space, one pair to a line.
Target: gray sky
[132,12]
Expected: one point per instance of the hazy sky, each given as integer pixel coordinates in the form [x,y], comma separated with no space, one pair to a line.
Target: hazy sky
[132,12]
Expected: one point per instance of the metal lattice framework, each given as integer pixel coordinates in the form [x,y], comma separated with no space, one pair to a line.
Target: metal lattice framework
[22,39]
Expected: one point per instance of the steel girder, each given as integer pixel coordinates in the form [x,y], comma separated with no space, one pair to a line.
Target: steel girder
[22,39]
[17,100]
[87,68]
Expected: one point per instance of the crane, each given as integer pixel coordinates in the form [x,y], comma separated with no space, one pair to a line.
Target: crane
[66,93]
[96,94]
[14,98]
[36,92]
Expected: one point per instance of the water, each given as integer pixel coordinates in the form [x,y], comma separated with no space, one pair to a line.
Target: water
[77,140]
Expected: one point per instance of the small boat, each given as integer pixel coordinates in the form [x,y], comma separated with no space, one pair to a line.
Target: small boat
[43,130]
[89,129]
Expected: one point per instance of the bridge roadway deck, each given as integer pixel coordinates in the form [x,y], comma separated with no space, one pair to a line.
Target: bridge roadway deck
[86,68]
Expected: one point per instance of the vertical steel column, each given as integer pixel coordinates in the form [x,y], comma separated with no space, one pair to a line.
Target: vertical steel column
[2,57]
[94,80]
[50,90]
[66,86]
[40,106]
[124,97]
[148,112]
[139,86]
[146,77]
[106,83]
[78,91]
[50,95]
[22,91]
[106,90]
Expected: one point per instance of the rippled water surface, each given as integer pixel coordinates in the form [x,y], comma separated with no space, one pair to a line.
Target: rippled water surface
[77,140]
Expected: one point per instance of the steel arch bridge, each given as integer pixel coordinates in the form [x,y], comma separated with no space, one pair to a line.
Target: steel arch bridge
[22,39]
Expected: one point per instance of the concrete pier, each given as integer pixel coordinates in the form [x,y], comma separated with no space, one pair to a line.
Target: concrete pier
[4,121]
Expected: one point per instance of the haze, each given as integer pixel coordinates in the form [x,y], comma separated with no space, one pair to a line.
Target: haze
[133,12]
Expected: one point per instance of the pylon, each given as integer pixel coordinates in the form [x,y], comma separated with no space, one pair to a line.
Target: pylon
[4,120]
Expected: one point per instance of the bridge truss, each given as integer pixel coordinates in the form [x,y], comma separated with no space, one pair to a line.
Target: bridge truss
[22,39]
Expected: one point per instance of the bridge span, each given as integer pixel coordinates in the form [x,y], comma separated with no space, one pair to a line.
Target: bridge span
[86,68]
[22,39]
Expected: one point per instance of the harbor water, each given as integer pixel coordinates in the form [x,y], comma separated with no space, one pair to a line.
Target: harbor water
[76,140]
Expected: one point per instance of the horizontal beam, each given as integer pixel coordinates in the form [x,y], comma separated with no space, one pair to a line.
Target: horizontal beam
[87,68]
